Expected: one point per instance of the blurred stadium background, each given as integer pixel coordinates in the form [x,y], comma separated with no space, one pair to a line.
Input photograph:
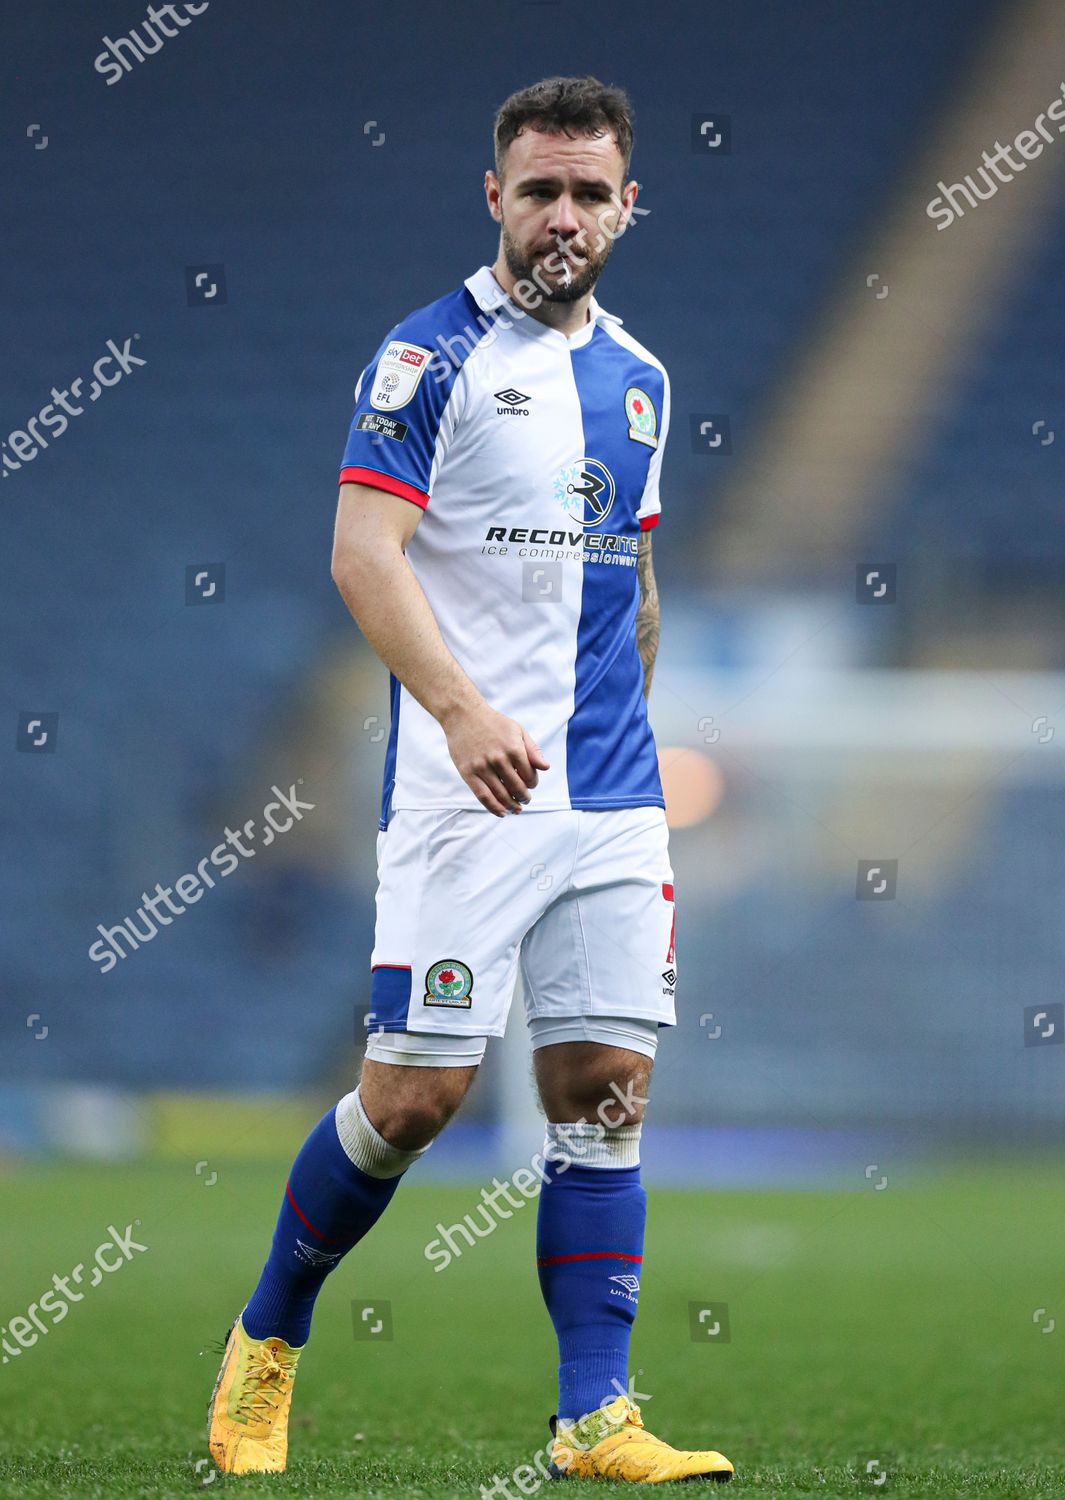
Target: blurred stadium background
[881,380]
[860,705]
[863,640]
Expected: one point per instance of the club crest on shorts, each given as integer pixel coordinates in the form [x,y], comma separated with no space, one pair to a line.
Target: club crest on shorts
[643,420]
[449,983]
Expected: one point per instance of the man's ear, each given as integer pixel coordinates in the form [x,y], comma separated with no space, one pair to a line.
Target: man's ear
[628,200]
[493,192]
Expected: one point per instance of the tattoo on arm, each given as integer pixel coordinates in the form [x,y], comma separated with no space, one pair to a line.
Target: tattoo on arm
[647,621]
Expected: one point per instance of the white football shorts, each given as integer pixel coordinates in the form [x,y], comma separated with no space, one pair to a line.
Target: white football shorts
[583,899]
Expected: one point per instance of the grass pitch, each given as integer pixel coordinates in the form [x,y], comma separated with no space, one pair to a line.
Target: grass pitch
[887,1341]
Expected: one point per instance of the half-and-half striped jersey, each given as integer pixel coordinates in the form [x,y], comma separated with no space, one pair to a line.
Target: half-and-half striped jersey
[536,459]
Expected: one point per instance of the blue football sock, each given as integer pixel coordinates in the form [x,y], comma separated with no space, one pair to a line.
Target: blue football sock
[329,1204]
[589,1250]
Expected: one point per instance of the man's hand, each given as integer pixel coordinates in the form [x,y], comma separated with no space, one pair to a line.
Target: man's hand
[495,757]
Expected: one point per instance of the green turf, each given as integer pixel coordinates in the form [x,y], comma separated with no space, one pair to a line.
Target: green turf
[894,1325]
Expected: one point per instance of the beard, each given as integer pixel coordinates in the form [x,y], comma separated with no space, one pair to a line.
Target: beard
[584,273]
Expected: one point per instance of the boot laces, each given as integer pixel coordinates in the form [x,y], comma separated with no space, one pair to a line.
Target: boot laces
[632,1416]
[264,1385]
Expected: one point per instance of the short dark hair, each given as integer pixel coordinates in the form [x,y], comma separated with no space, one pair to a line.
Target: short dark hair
[566,106]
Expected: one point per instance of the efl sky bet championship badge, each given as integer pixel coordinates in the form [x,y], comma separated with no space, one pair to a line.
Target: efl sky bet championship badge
[449,983]
[399,370]
[640,410]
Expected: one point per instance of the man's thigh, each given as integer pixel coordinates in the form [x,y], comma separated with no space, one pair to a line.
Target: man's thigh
[457,892]
[605,947]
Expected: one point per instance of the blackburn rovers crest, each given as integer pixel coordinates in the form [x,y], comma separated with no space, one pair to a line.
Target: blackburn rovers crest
[449,983]
[643,420]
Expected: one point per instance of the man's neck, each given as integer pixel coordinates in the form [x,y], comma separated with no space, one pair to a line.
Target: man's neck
[567,317]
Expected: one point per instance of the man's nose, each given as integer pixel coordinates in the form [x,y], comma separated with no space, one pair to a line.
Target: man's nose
[564,220]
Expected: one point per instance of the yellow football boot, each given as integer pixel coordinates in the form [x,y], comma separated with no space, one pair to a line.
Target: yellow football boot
[250,1403]
[612,1443]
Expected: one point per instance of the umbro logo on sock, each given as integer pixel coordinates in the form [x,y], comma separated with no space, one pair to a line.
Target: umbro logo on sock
[313,1256]
[631,1285]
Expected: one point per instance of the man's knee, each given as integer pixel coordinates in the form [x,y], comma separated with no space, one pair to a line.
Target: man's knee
[617,1096]
[409,1106]
[592,1082]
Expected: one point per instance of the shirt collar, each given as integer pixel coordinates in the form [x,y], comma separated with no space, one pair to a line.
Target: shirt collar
[489,295]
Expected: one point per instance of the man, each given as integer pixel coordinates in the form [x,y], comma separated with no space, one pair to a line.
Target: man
[493,542]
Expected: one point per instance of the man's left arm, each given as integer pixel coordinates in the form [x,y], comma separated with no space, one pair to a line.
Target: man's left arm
[647,621]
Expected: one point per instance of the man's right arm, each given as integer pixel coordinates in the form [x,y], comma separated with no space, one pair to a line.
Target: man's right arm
[494,755]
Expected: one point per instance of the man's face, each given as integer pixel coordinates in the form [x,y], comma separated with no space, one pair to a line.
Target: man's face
[563,203]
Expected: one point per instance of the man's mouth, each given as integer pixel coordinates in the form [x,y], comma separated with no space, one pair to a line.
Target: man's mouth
[572,256]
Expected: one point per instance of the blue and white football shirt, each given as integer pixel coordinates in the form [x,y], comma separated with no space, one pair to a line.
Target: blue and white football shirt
[536,459]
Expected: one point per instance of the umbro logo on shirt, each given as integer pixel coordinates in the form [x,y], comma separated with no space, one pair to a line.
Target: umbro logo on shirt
[514,403]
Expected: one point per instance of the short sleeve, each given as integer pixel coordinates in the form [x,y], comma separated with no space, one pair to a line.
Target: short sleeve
[650,506]
[398,429]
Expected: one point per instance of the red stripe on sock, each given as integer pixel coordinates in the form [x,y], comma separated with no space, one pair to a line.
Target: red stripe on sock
[555,1260]
[304,1219]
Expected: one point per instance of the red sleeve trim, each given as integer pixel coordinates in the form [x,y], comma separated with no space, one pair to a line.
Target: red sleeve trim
[646,522]
[379,481]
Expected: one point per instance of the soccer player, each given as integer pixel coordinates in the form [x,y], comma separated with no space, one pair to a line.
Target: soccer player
[493,542]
